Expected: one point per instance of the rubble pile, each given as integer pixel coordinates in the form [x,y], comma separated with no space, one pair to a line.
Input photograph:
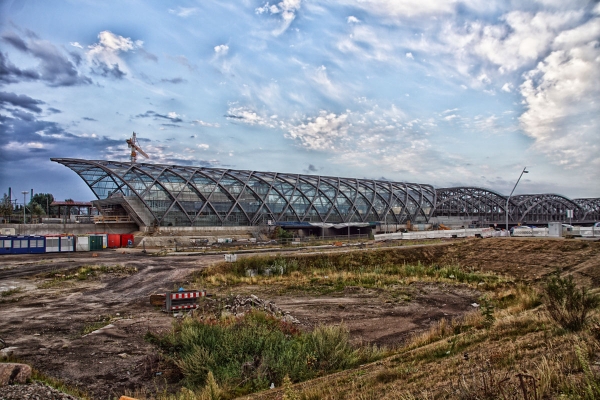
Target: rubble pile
[239,305]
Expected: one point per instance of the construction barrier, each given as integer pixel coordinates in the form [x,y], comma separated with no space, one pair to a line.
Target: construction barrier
[183,300]
[230,257]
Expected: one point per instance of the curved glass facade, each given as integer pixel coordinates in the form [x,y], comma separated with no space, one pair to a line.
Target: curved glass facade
[195,196]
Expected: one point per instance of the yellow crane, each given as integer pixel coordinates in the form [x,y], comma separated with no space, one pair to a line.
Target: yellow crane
[135,148]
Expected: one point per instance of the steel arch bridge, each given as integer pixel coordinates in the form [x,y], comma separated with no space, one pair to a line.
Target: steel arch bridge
[489,207]
[196,196]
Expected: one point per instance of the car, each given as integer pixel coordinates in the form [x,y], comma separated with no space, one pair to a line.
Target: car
[597,225]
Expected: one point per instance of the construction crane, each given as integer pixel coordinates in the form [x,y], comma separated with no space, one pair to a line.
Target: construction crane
[135,148]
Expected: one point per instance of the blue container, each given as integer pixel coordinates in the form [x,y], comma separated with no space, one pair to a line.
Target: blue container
[20,245]
[5,244]
[37,244]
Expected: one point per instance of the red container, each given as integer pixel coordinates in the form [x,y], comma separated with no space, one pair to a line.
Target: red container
[114,240]
[126,239]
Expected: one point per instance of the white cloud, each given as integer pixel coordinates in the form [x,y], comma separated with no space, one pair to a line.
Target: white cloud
[76,44]
[203,146]
[507,87]
[353,20]
[248,116]
[561,97]
[109,48]
[322,132]
[207,124]
[221,49]
[184,11]
[409,55]
[405,8]
[173,115]
[287,9]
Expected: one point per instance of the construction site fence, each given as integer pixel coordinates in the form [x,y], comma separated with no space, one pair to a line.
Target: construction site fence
[585,232]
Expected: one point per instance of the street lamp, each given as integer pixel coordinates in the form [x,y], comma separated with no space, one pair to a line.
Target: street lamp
[24,195]
[508,199]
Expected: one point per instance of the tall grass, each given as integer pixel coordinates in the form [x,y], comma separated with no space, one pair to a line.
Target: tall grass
[333,272]
[249,353]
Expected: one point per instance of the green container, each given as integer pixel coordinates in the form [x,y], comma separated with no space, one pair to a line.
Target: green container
[95,242]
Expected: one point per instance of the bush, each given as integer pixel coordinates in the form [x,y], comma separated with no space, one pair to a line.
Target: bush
[568,305]
[249,353]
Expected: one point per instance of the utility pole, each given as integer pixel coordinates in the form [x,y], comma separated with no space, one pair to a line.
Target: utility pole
[508,198]
[24,202]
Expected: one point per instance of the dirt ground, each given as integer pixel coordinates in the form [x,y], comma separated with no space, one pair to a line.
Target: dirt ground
[45,326]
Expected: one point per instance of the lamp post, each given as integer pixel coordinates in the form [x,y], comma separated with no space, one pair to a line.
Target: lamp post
[508,199]
[24,195]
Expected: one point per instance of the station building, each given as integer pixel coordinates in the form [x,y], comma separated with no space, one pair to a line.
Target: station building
[155,195]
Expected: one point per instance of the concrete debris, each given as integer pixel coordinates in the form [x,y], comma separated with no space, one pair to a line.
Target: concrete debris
[14,373]
[240,305]
[32,391]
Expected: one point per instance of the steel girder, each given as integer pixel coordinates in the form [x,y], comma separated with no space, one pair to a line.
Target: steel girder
[193,196]
[488,206]
[590,209]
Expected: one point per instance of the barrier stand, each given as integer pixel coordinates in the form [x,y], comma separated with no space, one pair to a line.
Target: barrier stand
[184,300]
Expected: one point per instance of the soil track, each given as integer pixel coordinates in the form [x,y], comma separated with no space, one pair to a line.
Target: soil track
[44,327]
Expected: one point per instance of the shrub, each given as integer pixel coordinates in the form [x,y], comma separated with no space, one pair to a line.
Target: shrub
[568,305]
[248,353]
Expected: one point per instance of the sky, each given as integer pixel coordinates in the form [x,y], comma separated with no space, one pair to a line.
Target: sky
[447,93]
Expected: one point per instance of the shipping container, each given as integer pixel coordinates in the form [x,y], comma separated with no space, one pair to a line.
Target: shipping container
[82,243]
[114,240]
[37,244]
[126,240]
[67,243]
[52,244]
[20,245]
[96,242]
[5,244]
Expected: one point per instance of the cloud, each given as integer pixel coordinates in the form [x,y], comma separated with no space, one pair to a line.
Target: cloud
[322,132]
[400,9]
[54,68]
[22,101]
[171,116]
[409,55]
[221,49]
[184,12]
[76,44]
[287,9]
[203,146]
[104,56]
[89,119]
[207,124]
[561,98]
[507,87]
[184,61]
[353,20]
[11,74]
[173,80]
[247,116]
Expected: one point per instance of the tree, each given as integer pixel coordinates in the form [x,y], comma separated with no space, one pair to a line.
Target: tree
[44,200]
[37,210]
[6,207]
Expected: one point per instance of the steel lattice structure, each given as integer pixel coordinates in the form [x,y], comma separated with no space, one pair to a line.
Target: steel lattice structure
[486,207]
[196,196]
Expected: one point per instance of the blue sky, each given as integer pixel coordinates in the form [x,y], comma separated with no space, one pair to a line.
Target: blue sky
[454,93]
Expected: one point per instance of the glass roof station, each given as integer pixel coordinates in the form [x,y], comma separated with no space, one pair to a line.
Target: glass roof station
[156,195]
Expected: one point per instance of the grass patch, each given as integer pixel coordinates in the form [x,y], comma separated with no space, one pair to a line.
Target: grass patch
[85,272]
[329,273]
[248,353]
[12,291]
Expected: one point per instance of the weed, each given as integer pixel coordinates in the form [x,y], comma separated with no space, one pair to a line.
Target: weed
[246,354]
[568,305]
[12,291]
[487,311]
